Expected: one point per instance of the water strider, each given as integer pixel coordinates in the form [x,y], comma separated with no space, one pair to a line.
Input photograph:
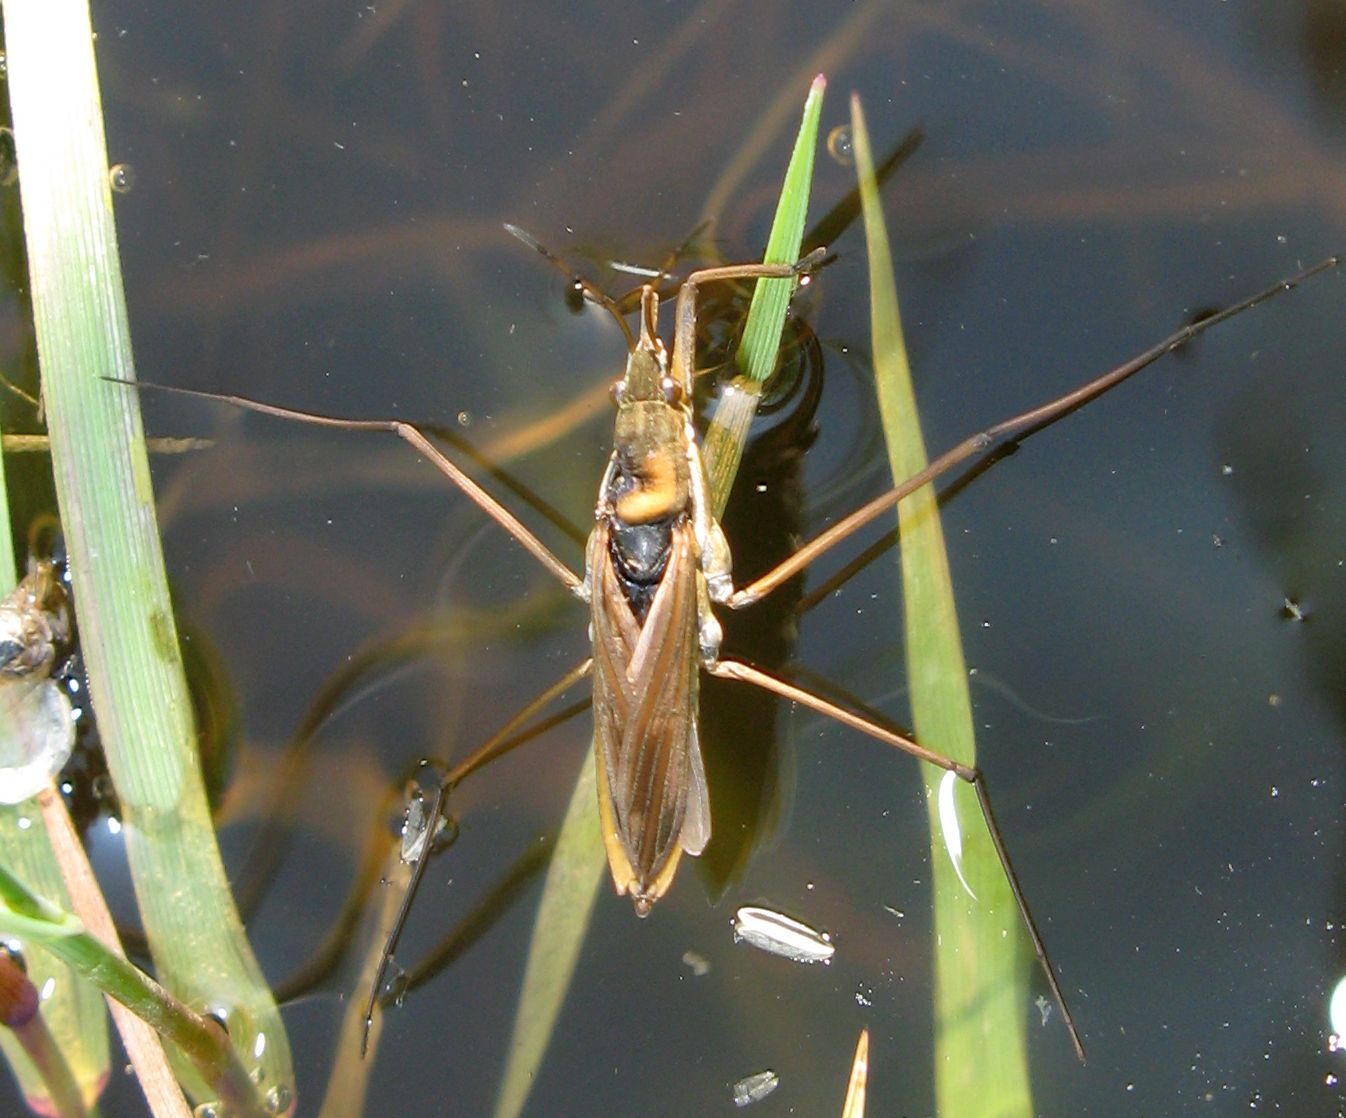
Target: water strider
[655,562]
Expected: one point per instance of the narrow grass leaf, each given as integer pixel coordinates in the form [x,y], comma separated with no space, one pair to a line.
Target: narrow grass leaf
[757,352]
[568,896]
[980,980]
[128,634]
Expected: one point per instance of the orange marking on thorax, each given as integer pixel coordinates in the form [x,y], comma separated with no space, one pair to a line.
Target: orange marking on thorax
[657,492]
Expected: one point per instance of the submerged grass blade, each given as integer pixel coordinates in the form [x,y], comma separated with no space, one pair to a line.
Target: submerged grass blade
[578,864]
[347,1087]
[568,896]
[980,980]
[102,476]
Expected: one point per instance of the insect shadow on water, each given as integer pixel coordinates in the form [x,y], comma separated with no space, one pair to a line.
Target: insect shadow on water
[656,560]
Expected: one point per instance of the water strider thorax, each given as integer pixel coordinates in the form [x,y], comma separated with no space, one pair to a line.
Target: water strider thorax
[648,489]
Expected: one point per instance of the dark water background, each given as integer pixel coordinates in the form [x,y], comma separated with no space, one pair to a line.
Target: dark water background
[315,220]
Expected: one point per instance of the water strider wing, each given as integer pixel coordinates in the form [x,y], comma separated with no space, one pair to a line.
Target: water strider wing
[652,789]
[696,826]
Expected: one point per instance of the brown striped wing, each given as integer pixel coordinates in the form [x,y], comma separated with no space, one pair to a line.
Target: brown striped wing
[652,787]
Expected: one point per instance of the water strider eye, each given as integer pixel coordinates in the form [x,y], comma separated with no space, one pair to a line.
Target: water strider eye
[618,392]
[673,393]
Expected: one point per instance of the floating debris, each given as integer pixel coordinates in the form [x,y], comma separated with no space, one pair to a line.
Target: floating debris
[37,721]
[414,826]
[1044,1007]
[781,935]
[754,1088]
[699,964]
[34,620]
[416,822]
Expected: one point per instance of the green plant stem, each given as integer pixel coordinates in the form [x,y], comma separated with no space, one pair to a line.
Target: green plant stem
[128,634]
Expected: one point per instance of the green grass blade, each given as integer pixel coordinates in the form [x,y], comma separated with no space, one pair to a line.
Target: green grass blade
[578,864]
[980,980]
[126,622]
[757,352]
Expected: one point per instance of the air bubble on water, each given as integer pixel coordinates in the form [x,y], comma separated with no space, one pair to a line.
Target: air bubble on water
[841,145]
[398,985]
[121,177]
